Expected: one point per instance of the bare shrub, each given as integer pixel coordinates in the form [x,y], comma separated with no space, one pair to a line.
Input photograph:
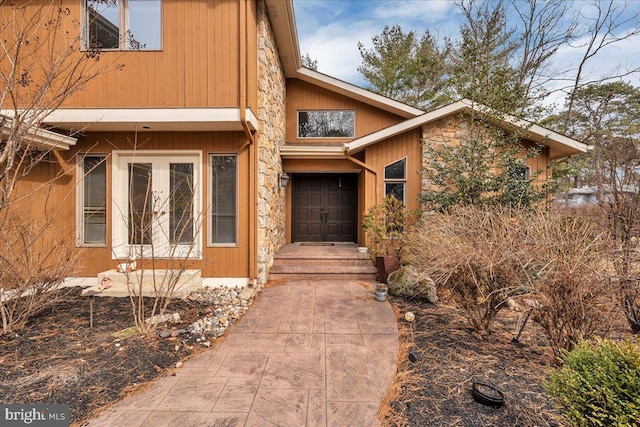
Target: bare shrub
[477,254]
[154,270]
[30,267]
[572,289]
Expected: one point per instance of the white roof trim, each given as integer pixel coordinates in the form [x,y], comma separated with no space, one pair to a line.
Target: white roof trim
[282,17]
[357,93]
[312,152]
[158,119]
[535,132]
[42,138]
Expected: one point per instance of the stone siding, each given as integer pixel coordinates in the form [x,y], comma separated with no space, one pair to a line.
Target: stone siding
[271,134]
[449,131]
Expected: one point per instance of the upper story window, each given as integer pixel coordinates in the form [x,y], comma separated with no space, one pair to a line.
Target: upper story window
[326,124]
[395,179]
[123,24]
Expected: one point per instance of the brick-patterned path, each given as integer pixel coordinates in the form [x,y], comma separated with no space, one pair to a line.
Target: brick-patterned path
[307,353]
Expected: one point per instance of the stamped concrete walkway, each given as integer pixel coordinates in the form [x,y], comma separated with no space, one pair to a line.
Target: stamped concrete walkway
[307,353]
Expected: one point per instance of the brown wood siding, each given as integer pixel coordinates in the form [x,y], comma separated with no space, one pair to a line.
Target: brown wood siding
[216,261]
[305,96]
[198,65]
[388,151]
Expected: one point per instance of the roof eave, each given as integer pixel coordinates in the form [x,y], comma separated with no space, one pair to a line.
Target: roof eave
[43,139]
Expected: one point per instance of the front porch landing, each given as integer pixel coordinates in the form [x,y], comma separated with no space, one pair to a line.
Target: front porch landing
[322,261]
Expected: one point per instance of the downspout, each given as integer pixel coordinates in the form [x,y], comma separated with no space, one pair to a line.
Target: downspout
[364,165]
[252,160]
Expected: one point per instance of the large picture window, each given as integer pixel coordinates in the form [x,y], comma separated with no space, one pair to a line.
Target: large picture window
[93,200]
[224,194]
[123,24]
[326,124]
[395,179]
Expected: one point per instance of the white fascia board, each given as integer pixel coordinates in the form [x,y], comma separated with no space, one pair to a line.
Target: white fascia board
[361,143]
[358,93]
[43,138]
[535,132]
[312,152]
[158,119]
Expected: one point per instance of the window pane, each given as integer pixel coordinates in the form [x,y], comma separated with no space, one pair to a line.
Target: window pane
[181,203]
[140,203]
[103,24]
[145,24]
[94,209]
[223,199]
[395,189]
[326,124]
[395,170]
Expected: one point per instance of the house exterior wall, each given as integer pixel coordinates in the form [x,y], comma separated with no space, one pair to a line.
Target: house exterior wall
[451,131]
[197,66]
[216,261]
[271,134]
[305,96]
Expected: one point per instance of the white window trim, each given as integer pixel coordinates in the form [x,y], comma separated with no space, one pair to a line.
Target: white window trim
[402,180]
[80,201]
[119,205]
[321,110]
[124,27]
[210,243]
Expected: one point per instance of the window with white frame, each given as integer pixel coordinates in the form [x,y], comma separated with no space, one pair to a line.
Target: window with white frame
[395,179]
[326,124]
[123,24]
[156,203]
[223,193]
[93,200]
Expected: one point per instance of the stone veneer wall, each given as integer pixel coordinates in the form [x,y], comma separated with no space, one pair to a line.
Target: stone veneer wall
[271,134]
[449,131]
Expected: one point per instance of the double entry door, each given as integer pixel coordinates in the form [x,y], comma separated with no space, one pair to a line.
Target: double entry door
[324,207]
[156,208]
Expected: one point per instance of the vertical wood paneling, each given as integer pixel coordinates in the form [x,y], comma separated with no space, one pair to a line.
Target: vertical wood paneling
[388,151]
[216,262]
[197,66]
[302,96]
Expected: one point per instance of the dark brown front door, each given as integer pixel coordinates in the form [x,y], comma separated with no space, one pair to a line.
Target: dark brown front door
[324,208]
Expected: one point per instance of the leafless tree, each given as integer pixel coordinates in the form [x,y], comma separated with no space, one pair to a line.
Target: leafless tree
[607,27]
[43,63]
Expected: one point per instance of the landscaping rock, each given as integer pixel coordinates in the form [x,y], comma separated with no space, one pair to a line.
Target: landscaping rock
[227,306]
[410,283]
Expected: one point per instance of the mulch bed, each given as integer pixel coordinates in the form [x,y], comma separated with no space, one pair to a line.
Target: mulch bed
[58,359]
[436,390]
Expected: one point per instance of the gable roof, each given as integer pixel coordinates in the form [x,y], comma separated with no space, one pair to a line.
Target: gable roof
[284,27]
[559,145]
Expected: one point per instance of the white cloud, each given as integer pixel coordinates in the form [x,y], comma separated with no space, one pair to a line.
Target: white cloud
[335,48]
[427,12]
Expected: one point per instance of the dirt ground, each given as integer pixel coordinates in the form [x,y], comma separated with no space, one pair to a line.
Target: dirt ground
[58,359]
[436,390]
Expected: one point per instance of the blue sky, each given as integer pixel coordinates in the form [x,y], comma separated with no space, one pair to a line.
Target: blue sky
[329,31]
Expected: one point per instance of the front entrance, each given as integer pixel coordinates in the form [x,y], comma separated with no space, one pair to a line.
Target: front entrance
[324,207]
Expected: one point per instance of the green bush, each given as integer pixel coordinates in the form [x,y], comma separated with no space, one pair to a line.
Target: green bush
[599,384]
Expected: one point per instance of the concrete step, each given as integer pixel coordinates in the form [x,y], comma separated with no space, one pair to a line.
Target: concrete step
[322,268]
[334,263]
[325,276]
